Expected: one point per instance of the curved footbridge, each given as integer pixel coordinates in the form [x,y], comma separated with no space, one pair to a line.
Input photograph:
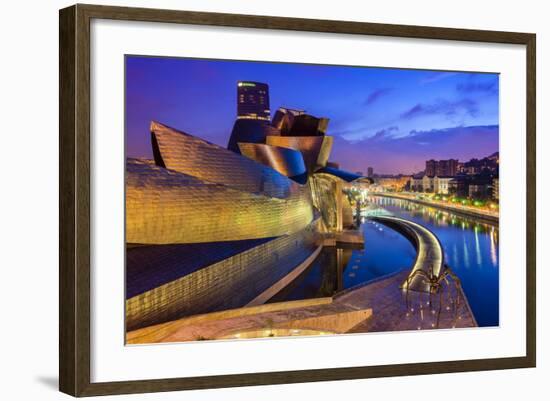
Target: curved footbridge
[429,252]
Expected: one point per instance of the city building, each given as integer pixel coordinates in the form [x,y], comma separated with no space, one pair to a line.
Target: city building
[494,157]
[496,189]
[474,178]
[479,166]
[370,172]
[427,183]
[441,168]
[416,183]
[364,183]
[393,183]
[475,186]
[253,101]
[459,185]
[441,185]
[477,190]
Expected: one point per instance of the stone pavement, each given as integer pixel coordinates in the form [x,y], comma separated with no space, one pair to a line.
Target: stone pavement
[390,312]
[377,306]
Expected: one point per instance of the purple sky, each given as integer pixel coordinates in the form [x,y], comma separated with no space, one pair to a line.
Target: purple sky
[390,119]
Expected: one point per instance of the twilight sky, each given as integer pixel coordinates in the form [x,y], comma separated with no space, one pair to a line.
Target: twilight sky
[390,119]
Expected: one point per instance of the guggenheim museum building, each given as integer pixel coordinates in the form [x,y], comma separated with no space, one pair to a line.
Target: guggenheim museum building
[211,228]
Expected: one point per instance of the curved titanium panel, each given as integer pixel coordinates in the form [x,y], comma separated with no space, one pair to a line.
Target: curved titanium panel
[330,200]
[167,207]
[347,213]
[342,174]
[284,118]
[306,125]
[288,162]
[292,122]
[229,283]
[325,195]
[314,149]
[193,156]
[252,131]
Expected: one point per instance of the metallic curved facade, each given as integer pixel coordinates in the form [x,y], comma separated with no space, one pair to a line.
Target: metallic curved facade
[252,131]
[315,149]
[234,222]
[230,283]
[187,154]
[291,122]
[284,118]
[168,207]
[327,198]
[288,162]
[306,125]
[344,175]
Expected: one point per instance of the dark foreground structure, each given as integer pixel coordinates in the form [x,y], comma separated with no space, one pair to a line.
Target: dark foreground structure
[210,228]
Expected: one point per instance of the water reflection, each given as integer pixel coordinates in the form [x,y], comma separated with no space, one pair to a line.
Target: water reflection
[337,269]
[471,250]
[470,246]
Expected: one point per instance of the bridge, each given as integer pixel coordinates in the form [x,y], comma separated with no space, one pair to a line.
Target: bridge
[429,252]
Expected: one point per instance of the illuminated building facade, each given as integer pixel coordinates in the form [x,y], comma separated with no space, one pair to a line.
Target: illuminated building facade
[286,161]
[253,101]
[249,214]
[441,185]
[496,189]
[393,183]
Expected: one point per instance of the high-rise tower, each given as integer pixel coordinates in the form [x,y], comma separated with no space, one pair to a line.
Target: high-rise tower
[253,101]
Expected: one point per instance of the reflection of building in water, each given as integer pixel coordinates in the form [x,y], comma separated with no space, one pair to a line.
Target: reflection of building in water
[324,278]
[249,215]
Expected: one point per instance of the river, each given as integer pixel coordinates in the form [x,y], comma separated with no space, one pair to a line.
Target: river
[470,246]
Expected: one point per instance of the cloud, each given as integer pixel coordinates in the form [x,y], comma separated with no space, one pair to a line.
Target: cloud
[437,76]
[384,134]
[443,107]
[376,95]
[478,87]
[407,154]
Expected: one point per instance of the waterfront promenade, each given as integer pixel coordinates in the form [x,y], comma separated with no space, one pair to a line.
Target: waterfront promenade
[475,212]
[378,306]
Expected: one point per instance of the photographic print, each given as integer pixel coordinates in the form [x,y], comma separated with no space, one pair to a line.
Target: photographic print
[268,199]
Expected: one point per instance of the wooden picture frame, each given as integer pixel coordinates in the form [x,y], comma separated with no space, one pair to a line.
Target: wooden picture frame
[74,205]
